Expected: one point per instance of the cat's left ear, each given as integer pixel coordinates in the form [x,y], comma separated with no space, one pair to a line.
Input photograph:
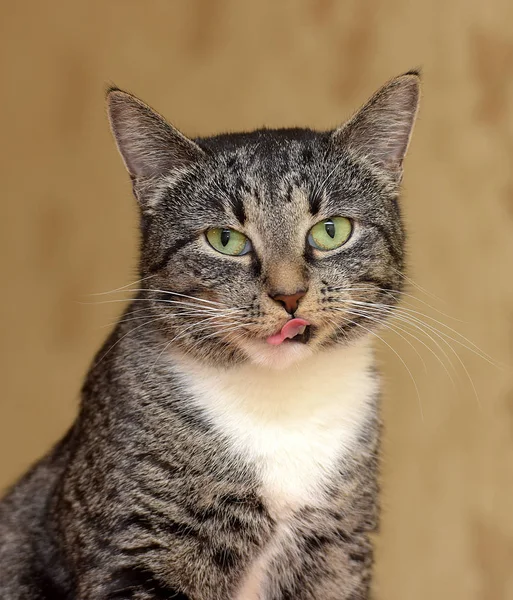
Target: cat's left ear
[149,145]
[380,131]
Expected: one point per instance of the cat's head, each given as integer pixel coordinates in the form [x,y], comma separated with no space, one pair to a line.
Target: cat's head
[270,245]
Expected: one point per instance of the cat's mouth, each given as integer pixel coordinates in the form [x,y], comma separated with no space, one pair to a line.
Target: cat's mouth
[295,330]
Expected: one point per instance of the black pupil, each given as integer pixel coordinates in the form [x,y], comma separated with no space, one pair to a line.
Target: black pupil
[330,228]
[225,236]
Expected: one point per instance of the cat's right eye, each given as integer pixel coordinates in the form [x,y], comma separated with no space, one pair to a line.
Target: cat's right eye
[330,233]
[228,241]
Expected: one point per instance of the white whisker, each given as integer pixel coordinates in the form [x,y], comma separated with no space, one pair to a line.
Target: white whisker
[124,287]
[226,330]
[387,324]
[177,315]
[473,347]
[400,293]
[422,326]
[414,284]
[180,295]
[173,302]
[391,327]
[176,338]
[400,358]
[124,336]
[183,333]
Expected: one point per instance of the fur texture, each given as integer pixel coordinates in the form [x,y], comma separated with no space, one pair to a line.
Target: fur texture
[206,463]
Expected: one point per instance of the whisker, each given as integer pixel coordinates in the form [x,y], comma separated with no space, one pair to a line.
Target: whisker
[442,336]
[184,331]
[386,325]
[419,328]
[200,340]
[395,313]
[168,316]
[472,348]
[392,292]
[415,285]
[123,337]
[419,324]
[176,338]
[406,331]
[174,302]
[180,295]
[226,330]
[157,360]
[181,335]
[400,358]
[170,292]
[124,287]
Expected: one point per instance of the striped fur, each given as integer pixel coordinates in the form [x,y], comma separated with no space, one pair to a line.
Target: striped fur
[206,464]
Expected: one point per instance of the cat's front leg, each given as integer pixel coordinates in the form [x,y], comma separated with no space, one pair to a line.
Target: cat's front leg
[196,565]
[130,583]
[147,582]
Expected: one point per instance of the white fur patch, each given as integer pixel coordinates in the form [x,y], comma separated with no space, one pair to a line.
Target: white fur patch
[295,425]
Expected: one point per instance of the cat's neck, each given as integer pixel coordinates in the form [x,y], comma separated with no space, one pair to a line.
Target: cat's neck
[322,380]
[295,425]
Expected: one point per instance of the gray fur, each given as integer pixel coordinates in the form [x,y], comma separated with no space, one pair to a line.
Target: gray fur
[143,499]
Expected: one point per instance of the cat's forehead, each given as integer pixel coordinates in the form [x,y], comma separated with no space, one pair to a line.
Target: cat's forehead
[279,210]
[274,197]
[268,155]
[273,174]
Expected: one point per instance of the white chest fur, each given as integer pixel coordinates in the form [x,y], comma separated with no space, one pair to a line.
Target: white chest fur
[295,425]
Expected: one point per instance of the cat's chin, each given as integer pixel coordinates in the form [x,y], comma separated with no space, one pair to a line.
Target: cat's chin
[275,357]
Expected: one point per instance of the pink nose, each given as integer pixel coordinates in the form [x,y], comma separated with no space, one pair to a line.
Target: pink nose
[289,302]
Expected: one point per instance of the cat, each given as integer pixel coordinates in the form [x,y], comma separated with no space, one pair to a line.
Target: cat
[227,442]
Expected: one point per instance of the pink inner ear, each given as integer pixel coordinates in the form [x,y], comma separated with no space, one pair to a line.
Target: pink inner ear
[289,330]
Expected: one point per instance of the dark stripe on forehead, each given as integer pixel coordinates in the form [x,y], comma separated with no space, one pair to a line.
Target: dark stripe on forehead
[315,199]
[178,245]
[237,200]
[237,206]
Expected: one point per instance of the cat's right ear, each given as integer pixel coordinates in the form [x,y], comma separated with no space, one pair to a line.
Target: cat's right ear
[149,145]
[380,131]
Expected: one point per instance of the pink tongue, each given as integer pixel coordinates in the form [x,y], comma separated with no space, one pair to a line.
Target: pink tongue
[289,330]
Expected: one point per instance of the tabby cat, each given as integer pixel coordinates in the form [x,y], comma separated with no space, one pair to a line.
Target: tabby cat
[227,443]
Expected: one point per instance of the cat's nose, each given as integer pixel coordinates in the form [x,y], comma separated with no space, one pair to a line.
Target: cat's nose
[289,302]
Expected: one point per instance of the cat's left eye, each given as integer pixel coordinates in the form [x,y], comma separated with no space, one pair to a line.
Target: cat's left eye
[228,241]
[330,233]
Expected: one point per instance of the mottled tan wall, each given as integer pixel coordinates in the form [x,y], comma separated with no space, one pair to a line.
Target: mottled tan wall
[68,224]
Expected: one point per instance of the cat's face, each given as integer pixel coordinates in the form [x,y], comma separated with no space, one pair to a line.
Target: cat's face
[264,246]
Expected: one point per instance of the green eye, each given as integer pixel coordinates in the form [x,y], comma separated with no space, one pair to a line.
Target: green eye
[330,233]
[228,241]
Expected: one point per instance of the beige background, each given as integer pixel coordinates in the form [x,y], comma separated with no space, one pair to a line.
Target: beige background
[68,226]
